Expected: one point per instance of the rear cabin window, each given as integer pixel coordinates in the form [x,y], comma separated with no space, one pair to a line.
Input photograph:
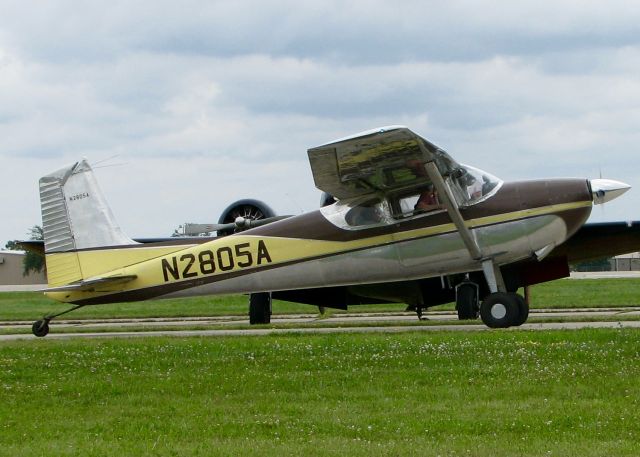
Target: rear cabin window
[367,213]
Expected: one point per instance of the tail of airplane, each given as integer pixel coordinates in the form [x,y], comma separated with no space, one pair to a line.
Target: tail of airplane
[75,216]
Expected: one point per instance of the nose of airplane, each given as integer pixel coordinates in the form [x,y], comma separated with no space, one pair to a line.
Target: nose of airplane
[605,190]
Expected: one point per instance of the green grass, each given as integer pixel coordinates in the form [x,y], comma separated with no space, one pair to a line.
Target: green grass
[563,293]
[30,305]
[587,293]
[493,393]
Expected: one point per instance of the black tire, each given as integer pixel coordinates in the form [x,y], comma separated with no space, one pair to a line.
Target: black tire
[467,301]
[500,310]
[523,311]
[40,328]
[260,308]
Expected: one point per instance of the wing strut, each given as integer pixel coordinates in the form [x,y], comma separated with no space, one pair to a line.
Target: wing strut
[448,200]
[491,270]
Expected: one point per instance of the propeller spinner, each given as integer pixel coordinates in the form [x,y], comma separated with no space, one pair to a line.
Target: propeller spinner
[605,190]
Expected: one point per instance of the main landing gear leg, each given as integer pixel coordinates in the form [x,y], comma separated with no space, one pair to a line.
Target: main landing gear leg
[41,328]
[260,308]
[501,309]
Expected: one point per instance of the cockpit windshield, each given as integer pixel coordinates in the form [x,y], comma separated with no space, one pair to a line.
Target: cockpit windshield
[471,185]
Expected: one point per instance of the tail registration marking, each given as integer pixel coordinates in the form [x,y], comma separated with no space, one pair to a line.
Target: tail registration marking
[208,262]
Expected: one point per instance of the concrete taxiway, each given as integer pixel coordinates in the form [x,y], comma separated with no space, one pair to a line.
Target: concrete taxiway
[337,323]
[342,318]
[325,330]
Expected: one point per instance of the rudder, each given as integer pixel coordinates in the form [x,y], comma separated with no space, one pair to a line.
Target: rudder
[75,216]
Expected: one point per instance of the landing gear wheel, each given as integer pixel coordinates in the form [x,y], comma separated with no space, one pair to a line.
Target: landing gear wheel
[500,310]
[523,311]
[467,301]
[260,308]
[40,328]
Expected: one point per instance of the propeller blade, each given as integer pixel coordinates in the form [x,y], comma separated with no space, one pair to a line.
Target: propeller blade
[240,224]
[243,224]
[191,229]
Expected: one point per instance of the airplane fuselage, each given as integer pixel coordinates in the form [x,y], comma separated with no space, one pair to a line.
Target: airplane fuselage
[521,220]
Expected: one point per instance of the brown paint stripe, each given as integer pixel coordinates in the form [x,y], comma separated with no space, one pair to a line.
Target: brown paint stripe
[156,291]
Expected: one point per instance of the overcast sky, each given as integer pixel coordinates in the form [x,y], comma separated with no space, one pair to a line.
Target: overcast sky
[186,106]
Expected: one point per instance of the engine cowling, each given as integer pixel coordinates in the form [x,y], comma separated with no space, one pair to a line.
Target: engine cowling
[249,209]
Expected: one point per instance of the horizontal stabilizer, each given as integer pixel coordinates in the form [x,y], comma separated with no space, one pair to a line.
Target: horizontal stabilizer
[105,284]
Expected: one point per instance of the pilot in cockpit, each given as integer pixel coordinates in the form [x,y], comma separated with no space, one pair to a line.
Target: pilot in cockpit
[428,200]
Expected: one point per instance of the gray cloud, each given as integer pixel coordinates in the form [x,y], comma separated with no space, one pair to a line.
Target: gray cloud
[358,31]
[210,101]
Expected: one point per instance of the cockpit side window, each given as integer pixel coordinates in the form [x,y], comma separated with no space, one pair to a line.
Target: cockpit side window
[360,214]
[367,213]
[415,199]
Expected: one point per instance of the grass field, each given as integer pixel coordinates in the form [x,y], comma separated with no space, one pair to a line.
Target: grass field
[563,293]
[557,294]
[493,393]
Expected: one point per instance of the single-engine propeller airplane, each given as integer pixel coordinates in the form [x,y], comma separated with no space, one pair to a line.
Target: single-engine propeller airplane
[408,224]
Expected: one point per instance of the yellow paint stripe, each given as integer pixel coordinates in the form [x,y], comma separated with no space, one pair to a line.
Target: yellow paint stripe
[526,213]
[286,250]
[97,262]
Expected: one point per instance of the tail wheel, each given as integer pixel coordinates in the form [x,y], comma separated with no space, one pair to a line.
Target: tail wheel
[500,310]
[40,328]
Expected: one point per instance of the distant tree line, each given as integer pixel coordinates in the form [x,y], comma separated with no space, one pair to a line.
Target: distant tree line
[593,265]
[33,262]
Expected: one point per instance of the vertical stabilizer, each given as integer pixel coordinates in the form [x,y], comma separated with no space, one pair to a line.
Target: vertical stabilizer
[75,214]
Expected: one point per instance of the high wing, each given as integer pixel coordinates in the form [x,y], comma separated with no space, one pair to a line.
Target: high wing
[376,162]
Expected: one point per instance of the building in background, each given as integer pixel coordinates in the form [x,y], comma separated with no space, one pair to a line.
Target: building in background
[626,262]
[11,268]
